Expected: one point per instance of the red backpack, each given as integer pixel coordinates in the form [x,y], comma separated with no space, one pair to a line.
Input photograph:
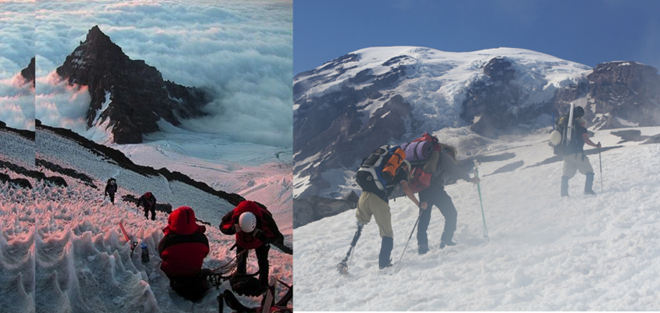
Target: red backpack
[423,154]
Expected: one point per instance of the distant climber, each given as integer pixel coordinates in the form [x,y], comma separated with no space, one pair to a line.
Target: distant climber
[148,201]
[111,189]
[183,249]
[576,159]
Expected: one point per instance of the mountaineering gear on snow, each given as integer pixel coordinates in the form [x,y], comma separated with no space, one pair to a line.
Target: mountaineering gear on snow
[111,189]
[148,201]
[145,253]
[564,186]
[182,251]
[404,248]
[133,243]
[386,246]
[247,221]
[588,184]
[379,168]
[483,216]
[272,307]
[342,267]
[265,233]
[246,285]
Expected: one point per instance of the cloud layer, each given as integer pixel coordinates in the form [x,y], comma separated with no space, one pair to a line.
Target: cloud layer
[16,50]
[242,51]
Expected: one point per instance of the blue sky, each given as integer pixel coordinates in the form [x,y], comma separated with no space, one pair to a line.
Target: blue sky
[584,31]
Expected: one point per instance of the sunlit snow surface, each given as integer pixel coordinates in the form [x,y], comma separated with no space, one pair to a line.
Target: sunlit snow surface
[69,251]
[545,252]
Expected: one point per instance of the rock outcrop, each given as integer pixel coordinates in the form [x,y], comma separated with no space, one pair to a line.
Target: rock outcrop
[137,94]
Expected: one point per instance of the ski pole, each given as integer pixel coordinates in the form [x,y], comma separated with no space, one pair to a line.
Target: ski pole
[411,233]
[600,161]
[483,216]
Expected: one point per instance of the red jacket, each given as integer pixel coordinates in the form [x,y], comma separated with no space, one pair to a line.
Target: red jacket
[184,246]
[265,224]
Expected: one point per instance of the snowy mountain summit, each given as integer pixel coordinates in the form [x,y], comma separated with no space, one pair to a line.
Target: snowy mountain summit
[348,106]
[128,95]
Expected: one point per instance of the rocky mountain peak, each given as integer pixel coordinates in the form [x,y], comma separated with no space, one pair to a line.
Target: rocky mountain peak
[28,73]
[138,95]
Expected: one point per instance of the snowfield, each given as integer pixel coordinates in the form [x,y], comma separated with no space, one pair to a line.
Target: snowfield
[64,245]
[544,252]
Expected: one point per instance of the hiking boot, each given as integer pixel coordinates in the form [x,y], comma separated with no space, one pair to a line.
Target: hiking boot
[588,184]
[386,266]
[564,186]
[423,249]
[446,243]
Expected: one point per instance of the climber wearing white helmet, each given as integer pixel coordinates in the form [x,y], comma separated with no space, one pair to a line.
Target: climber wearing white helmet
[254,228]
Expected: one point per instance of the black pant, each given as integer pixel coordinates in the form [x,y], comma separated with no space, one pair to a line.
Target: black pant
[153,212]
[439,198]
[262,260]
[112,197]
[192,288]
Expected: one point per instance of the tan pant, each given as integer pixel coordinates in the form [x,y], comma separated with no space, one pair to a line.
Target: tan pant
[370,204]
[573,163]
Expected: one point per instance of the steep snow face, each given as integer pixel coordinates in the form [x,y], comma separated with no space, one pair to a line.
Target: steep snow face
[64,244]
[544,252]
[435,82]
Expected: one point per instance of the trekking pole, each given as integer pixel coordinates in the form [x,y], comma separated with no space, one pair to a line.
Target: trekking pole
[411,233]
[342,267]
[600,161]
[483,216]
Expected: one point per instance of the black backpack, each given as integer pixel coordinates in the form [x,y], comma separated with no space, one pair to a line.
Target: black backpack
[561,145]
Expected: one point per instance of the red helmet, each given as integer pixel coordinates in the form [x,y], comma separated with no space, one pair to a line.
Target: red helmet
[148,194]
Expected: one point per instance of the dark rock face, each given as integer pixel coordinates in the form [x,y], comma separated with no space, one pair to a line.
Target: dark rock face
[626,90]
[139,96]
[333,125]
[28,73]
[16,182]
[315,208]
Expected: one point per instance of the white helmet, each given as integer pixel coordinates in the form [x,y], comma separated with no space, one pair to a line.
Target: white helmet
[247,221]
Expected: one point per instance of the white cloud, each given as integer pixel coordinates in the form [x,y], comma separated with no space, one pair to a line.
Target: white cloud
[241,50]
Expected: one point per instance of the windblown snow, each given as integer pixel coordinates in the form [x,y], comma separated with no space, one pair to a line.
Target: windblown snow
[64,243]
[544,252]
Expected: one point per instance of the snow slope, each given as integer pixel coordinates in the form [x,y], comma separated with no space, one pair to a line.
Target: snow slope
[545,252]
[436,82]
[63,244]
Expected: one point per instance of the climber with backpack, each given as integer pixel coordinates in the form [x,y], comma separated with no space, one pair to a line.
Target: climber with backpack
[568,140]
[254,228]
[378,174]
[435,166]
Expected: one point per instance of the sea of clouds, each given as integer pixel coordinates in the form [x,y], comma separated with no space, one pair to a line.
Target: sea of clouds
[16,50]
[240,51]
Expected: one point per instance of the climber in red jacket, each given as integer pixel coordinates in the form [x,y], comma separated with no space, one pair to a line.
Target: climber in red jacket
[183,250]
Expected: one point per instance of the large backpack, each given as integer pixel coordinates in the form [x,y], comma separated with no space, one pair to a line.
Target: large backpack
[559,141]
[379,168]
[423,154]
